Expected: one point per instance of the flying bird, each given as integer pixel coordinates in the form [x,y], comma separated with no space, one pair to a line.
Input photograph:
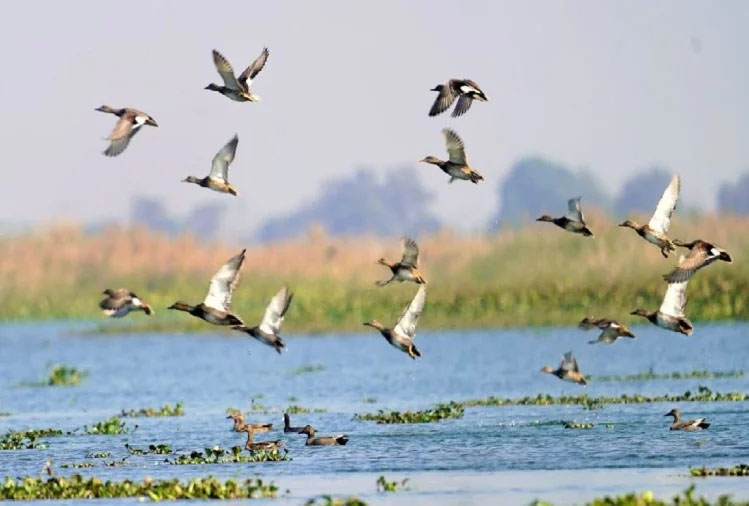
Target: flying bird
[465,90]
[408,267]
[690,425]
[216,308]
[237,88]
[612,330]
[656,230]
[671,315]
[401,336]
[573,222]
[218,179]
[456,166]
[126,127]
[701,254]
[121,302]
[568,370]
[268,330]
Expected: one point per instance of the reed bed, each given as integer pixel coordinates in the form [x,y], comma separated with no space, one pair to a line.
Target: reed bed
[537,275]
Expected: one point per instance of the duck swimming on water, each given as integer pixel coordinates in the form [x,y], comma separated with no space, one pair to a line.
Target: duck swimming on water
[690,425]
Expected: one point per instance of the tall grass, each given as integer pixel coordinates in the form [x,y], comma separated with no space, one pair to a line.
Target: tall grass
[538,275]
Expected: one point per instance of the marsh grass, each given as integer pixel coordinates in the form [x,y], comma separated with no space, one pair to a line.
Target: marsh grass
[532,276]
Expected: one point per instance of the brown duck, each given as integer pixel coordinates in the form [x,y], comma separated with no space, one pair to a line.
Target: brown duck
[239,423]
[252,446]
[457,165]
[216,308]
[401,336]
[408,267]
[237,88]
[701,254]
[656,230]
[121,302]
[690,425]
[670,315]
[574,221]
[612,330]
[568,370]
[126,127]
[218,179]
[339,440]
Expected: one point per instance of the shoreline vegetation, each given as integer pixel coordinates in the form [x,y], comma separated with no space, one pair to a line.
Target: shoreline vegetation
[532,276]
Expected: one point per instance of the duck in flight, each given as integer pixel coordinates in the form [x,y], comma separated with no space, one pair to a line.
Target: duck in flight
[268,330]
[401,336]
[573,222]
[408,267]
[611,330]
[465,90]
[456,166]
[690,425]
[568,370]
[121,302]
[701,254]
[237,88]
[218,179]
[216,308]
[656,230]
[126,127]
[670,315]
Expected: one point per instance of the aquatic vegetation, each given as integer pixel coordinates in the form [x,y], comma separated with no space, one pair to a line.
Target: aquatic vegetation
[4,413]
[165,410]
[295,409]
[578,425]
[218,455]
[384,485]
[704,394]
[78,487]
[369,400]
[739,470]
[110,427]
[329,500]
[647,498]
[160,449]
[26,439]
[676,375]
[98,455]
[306,369]
[78,465]
[435,414]
[66,376]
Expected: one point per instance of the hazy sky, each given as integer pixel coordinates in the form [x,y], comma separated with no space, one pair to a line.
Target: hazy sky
[609,86]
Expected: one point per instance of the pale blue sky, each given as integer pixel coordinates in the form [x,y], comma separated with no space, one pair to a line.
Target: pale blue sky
[610,86]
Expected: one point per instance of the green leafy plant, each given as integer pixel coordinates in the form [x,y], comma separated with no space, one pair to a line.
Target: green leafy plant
[65,376]
[384,485]
[78,465]
[739,470]
[98,455]
[218,455]
[111,427]
[329,500]
[578,425]
[27,439]
[435,414]
[160,449]
[165,410]
[676,375]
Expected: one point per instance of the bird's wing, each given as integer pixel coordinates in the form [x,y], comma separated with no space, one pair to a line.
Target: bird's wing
[254,69]
[464,103]
[688,265]
[575,213]
[444,100]
[120,137]
[114,303]
[220,164]
[406,324]
[275,311]
[410,252]
[675,299]
[661,220]
[223,283]
[225,71]
[455,147]
[569,363]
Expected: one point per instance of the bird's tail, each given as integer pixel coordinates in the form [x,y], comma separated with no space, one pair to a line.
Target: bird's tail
[342,440]
[279,344]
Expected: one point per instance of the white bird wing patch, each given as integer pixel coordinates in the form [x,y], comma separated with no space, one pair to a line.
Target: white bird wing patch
[575,213]
[220,164]
[406,325]
[675,300]
[661,220]
[223,284]
[275,311]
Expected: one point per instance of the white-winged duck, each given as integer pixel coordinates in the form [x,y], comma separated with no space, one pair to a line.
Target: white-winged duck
[287,425]
[568,370]
[465,90]
[671,315]
[237,88]
[401,336]
[338,440]
[701,254]
[121,302]
[218,179]
[216,308]
[690,425]
[655,232]
[268,330]
[408,267]
[252,446]
[456,166]
[239,423]
[126,127]
[573,222]
[611,329]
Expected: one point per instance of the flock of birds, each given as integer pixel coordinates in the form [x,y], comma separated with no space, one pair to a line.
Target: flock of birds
[216,307]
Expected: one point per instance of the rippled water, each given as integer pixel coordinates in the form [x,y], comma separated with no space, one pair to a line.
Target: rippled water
[491,454]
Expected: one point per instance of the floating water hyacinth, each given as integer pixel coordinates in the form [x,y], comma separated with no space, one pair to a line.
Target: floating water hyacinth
[676,375]
[383,485]
[110,427]
[27,439]
[739,470]
[218,455]
[160,449]
[435,414]
[165,410]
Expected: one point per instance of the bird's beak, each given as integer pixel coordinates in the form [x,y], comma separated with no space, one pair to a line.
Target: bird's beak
[725,257]
[152,122]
